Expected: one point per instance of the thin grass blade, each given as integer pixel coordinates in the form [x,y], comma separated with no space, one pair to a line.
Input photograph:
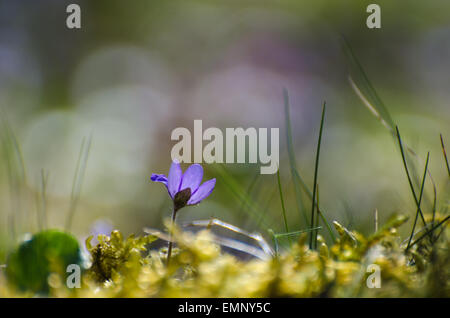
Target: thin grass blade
[420,201]
[445,155]
[283,209]
[316,170]
[78,180]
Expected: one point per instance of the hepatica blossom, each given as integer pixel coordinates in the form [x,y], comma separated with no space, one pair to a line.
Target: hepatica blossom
[185,188]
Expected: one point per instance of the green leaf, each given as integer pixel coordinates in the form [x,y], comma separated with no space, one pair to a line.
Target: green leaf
[29,266]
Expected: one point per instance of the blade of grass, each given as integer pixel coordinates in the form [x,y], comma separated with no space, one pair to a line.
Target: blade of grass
[327,224]
[250,188]
[41,202]
[349,214]
[297,232]
[296,178]
[439,234]
[376,220]
[317,217]
[378,109]
[262,217]
[434,201]
[15,169]
[19,156]
[429,231]
[445,155]
[39,217]
[420,201]
[234,187]
[283,209]
[17,150]
[365,90]
[11,183]
[44,181]
[400,143]
[320,210]
[78,180]
[316,170]
[292,161]
[275,241]
[366,102]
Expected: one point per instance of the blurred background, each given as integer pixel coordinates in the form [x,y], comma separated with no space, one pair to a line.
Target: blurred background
[137,70]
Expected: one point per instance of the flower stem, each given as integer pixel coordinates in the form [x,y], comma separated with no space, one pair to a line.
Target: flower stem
[169,248]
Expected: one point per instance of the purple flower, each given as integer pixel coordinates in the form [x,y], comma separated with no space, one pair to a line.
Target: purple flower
[185,188]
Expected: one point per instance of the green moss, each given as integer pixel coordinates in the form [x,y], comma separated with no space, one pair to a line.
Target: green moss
[200,269]
[131,267]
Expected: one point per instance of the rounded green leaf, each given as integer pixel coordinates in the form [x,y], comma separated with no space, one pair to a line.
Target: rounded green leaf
[29,266]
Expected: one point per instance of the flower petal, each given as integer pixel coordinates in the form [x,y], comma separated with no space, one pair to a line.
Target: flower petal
[192,178]
[159,178]
[174,179]
[202,192]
